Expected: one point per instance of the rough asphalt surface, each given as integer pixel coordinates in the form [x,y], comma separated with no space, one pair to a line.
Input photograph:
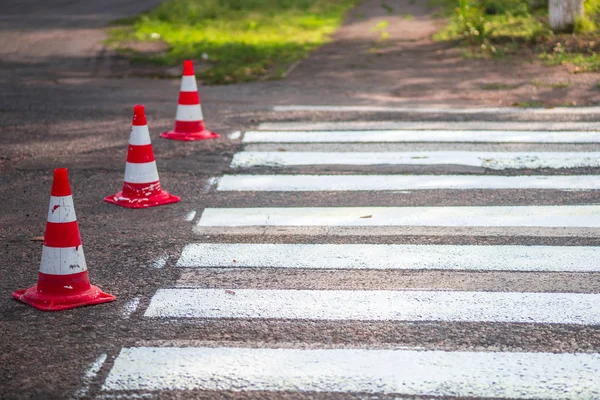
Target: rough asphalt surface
[61,108]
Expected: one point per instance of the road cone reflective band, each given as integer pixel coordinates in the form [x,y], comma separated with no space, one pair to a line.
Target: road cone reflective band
[189,122]
[63,281]
[141,187]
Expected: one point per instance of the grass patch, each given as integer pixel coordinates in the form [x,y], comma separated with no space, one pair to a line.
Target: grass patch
[499,86]
[560,85]
[556,85]
[497,28]
[529,104]
[580,62]
[238,40]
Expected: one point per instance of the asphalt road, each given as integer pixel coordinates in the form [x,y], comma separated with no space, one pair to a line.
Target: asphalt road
[60,108]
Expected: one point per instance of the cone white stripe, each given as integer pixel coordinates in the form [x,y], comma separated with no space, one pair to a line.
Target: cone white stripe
[141,173]
[404,372]
[377,305]
[296,183]
[504,216]
[62,261]
[188,84]
[140,136]
[385,256]
[189,113]
[492,160]
[420,136]
[61,209]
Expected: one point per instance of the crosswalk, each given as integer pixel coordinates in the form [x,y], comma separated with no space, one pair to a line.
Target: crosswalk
[322,183]
[307,239]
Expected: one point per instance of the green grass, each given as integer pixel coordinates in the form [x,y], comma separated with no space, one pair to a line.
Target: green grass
[560,85]
[497,28]
[556,85]
[581,62]
[529,104]
[238,40]
[499,86]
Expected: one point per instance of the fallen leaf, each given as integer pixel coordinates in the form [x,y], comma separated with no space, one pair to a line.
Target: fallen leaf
[229,291]
[234,260]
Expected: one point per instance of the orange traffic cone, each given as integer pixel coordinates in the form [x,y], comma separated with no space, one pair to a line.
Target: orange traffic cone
[141,187]
[189,122]
[63,281]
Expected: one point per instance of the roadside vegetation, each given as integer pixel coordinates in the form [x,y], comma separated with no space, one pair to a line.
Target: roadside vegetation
[500,28]
[231,40]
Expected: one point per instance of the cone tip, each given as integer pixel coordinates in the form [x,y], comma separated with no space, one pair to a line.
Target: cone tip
[139,115]
[60,184]
[188,68]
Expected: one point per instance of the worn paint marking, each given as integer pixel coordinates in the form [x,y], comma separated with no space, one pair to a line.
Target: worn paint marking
[490,160]
[430,125]
[389,256]
[504,216]
[390,136]
[424,373]
[441,110]
[383,305]
[310,183]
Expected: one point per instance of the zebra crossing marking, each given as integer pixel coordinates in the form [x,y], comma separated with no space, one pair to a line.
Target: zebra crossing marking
[490,216]
[313,183]
[430,125]
[442,110]
[433,373]
[377,305]
[444,136]
[411,372]
[491,160]
[392,256]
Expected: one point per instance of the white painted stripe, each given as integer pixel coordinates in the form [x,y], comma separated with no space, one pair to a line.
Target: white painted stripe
[209,183]
[235,135]
[188,84]
[160,261]
[61,209]
[420,136]
[398,230]
[130,396]
[297,183]
[62,261]
[411,372]
[443,110]
[377,305]
[492,160]
[141,173]
[190,216]
[505,216]
[89,376]
[131,306]
[140,136]
[386,256]
[431,125]
[189,113]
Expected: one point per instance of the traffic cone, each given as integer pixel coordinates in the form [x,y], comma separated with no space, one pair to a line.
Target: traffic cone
[141,187]
[189,123]
[63,281]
